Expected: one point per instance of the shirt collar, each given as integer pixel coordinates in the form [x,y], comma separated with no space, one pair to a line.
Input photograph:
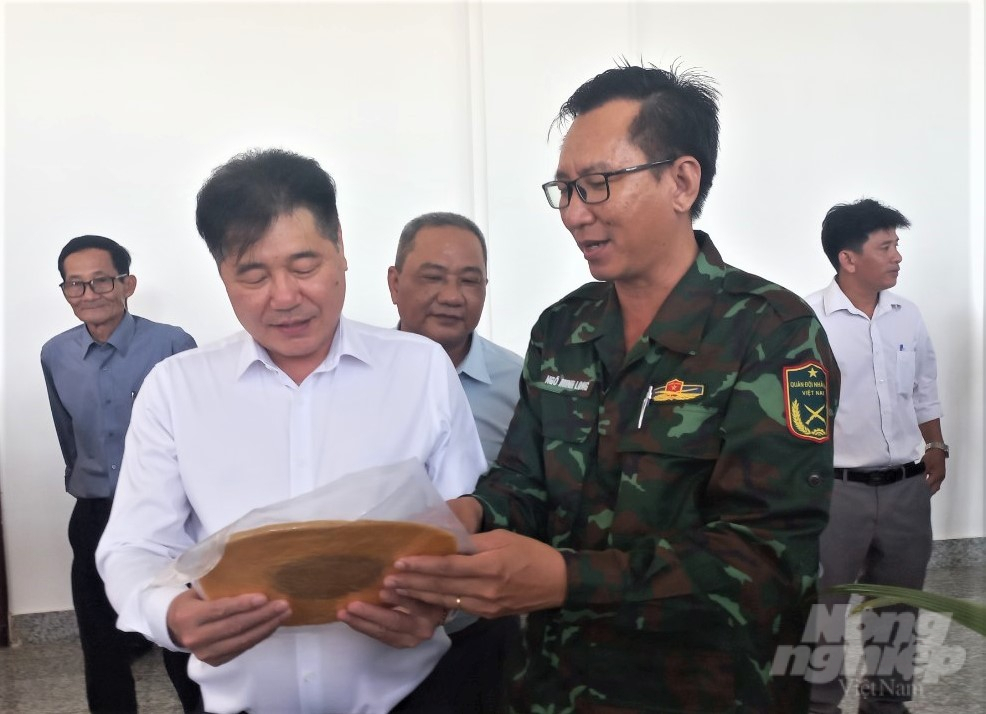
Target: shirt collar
[474,365]
[886,302]
[120,340]
[346,343]
[833,300]
[680,323]
[595,318]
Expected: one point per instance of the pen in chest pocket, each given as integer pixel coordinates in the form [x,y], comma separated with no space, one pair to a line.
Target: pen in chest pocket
[643,406]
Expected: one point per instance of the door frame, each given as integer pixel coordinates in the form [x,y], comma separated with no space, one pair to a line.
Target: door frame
[4,602]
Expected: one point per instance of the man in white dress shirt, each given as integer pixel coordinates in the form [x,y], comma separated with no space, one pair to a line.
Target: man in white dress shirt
[303,397]
[438,283]
[889,451]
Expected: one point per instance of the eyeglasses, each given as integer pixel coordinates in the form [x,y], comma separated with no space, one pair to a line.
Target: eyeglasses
[100,286]
[592,188]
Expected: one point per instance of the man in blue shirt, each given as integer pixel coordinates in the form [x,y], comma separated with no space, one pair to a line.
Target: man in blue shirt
[438,283]
[93,372]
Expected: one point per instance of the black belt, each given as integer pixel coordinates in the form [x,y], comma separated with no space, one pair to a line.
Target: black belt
[881,477]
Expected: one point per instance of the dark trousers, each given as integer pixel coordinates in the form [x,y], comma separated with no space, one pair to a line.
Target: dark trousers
[188,691]
[106,651]
[474,676]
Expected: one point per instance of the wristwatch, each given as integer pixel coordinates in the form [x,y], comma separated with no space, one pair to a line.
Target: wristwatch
[937,445]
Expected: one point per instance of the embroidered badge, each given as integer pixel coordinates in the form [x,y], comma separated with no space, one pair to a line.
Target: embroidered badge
[677,391]
[806,401]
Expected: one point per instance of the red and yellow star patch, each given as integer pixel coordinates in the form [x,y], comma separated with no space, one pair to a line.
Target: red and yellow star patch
[806,401]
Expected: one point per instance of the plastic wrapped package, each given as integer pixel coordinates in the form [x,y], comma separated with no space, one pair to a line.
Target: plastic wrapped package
[326,548]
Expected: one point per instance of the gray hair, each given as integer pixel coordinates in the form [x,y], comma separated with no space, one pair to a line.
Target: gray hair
[434,220]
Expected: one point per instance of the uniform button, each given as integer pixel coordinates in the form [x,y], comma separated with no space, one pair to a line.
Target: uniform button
[814,480]
[113,467]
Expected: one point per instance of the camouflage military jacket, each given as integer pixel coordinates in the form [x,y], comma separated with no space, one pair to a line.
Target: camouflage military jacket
[686,484]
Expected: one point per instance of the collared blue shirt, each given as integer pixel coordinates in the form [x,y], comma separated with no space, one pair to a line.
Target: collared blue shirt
[91,389]
[490,377]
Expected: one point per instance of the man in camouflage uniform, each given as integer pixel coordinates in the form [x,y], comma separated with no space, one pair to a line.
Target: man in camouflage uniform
[658,499]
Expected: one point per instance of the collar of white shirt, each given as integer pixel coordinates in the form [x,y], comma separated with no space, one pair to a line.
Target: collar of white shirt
[345,343]
[833,300]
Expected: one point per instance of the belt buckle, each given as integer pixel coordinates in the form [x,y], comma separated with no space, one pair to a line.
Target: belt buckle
[875,478]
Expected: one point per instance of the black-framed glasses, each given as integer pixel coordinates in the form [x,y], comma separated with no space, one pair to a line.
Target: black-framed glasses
[592,188]
[100,286]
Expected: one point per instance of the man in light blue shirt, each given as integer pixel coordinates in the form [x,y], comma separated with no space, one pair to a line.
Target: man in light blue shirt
[438,283]
[93,372]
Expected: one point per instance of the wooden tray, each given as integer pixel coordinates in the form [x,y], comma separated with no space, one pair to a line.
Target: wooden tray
[319,566]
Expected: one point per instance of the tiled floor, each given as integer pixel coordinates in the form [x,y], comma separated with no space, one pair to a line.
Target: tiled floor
[47,679]
[964,691]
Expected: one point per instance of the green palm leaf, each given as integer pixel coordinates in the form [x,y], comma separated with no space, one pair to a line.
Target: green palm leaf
[966,612]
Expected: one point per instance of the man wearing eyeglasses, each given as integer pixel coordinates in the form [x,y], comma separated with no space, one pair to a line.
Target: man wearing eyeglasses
[657,503]
[93,372]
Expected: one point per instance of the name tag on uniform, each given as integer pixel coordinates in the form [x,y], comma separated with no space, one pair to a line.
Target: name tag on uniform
[558,382]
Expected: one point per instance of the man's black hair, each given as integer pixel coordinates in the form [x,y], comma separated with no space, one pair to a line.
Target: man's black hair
[679,114]
[243,197]
[847,226]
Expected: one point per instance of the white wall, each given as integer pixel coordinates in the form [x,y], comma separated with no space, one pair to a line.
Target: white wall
[115,114]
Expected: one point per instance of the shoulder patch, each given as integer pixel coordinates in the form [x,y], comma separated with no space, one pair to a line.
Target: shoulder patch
[806,401]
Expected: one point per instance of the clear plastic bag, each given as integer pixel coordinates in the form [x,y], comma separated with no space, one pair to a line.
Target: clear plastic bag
[396,492]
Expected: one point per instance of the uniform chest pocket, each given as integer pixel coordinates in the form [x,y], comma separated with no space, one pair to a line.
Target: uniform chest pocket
[568,424]
[687,430]
[567,417]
